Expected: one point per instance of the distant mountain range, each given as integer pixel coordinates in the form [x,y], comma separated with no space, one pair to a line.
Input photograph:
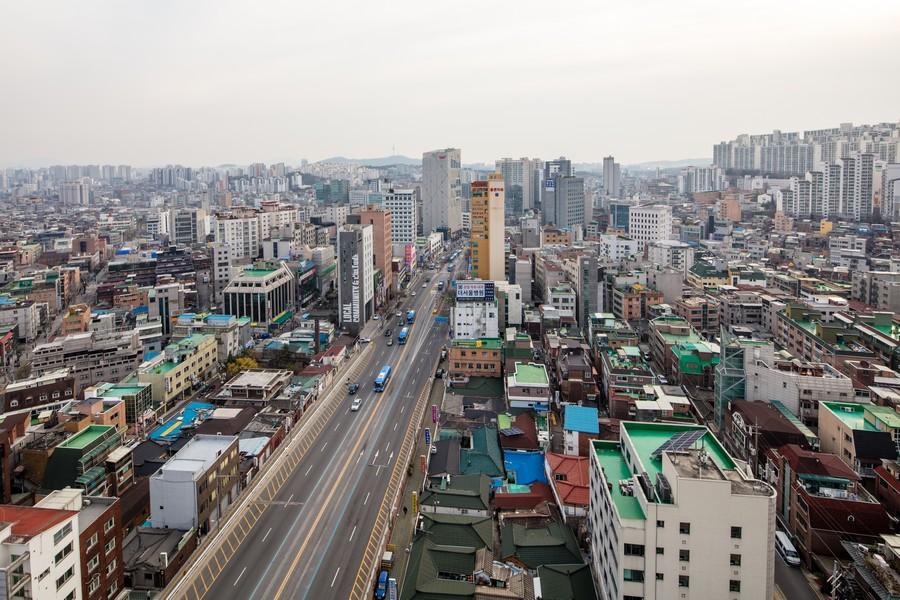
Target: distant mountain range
[383,161]
[670,164]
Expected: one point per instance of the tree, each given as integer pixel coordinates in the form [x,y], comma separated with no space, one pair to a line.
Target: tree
[241,363]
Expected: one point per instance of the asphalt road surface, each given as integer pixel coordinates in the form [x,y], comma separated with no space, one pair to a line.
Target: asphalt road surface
[791,581]
[310,540]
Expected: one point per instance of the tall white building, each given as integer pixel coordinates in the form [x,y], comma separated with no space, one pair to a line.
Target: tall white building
[857,181]
[404,218]
[890,192]
[671,253]
[650,223]
[441,191]
[241,233]
[701,179]
[188,225]
[672,515]
[613,248]
[475,313]
[612,174]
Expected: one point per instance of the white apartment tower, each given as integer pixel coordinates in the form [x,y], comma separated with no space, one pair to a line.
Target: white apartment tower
[612,175]
[524,173]
[75,193]
[650,223]
[441,190]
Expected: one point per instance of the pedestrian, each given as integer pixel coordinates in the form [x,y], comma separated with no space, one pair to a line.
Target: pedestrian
[405,510]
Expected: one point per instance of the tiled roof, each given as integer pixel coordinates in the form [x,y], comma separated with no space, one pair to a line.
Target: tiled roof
[574,487]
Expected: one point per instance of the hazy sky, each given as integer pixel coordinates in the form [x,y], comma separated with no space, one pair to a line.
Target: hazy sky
[204,83]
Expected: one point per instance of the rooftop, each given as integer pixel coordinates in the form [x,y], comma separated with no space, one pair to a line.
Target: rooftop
[198,454]
[615,469]
[257,272]
[86,437]
[863,416]
[647,437]
[29,521]
[581,418]
[487,343]
[529,374]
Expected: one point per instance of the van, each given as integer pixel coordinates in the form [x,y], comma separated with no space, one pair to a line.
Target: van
[786,549]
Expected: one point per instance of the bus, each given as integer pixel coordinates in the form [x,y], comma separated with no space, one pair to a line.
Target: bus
[410,317]
[383,375]
[404,333]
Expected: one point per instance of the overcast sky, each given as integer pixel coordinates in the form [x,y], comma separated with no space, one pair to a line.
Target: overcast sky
[205,83]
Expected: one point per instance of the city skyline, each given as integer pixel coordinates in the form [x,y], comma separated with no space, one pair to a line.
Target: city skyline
[184,84]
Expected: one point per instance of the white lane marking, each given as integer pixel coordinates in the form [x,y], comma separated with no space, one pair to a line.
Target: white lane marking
[291,497]
[386,446]
[418,369]
[391,458]
[335,576]
[359,457]
[337,426]
[402,408]
[376,457]
[267,534]
[308,470]
[367,499]
[325,445]
[352,533]
[395,426]
[239,576]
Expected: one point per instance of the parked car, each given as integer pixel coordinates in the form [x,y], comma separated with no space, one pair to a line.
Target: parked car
[376,317]
[439,374]
[399,315]
[352,388]
[364,340]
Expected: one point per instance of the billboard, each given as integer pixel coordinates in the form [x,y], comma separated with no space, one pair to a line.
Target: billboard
[475,290]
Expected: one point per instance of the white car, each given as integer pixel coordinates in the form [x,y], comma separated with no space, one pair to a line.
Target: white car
[377,317]
[399,315]
[424,285]
[364,340]
[356,404]
[413,294]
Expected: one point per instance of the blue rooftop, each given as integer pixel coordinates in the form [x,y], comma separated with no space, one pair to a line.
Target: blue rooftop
[583,419]
[171,429]
[524,468]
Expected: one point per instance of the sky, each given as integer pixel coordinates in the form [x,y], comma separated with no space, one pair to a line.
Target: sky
[206,83]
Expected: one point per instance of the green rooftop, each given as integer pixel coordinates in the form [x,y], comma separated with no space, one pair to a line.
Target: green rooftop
[864,416]
[530,374]
[163,367]
[647,437]
[86,437]
[117,391]
[486,343]
[615,469]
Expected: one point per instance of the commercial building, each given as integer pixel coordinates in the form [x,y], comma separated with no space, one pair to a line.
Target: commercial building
[665,333]
[652,532]
[356,293]
[522,180]
[633,302]
[264,292]
[92,357]
[563,201]
[861,435]
[200,481]
[187,226]
[624,375]
[401,203]
[441,191]
[671,253]
[475,358]
[612,174]
[486,238]
[76,319]
[53,388]
[79,460]
[138,399]
[528,386]
[232,333]
[475,314]
[797,385]
[700,311]
[382,245]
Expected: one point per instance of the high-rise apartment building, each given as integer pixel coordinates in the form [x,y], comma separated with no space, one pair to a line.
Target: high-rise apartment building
[612,173]
[356,294]
[890,192]
[75,193]
[486,237]
[188,226]
[441,191]
[404,216]
[650,223]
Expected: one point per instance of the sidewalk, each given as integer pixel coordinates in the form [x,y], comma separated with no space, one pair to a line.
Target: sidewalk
[402,530]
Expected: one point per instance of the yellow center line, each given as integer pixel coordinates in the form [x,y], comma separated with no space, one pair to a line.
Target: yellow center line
[337,482]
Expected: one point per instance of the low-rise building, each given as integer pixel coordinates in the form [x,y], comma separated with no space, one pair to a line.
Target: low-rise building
[41,392]
[92,357]
[254,387]
[137,397]
[798,385]
[633,302]
[665,333]
[624,375]
[807,336]
[76,319]
[232,333]
[861,435]
[199,482]
[79,460]
[182,366]
[570,481]
[652,532]
[701,312]
[581,424]
[528,386]
[475,358]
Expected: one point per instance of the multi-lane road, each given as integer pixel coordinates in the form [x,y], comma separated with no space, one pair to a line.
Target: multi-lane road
[309,539]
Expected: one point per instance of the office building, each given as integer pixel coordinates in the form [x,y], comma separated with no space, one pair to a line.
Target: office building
[671,253]
[612,175]
[486,239]
[264,292]
[381,221]
[521,179]
[441,191]
[475,314]
[404,216]
[652,533]
[563,201]
[196,485]
[187,226]
[648,224]
[356,294]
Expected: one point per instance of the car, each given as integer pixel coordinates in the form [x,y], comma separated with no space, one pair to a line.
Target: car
[434,450]
[364,340]
[390,342]
[424,285]
[413,294]
[376,317]
[439,373]
[356,404]
[352,388]
[399,315]
[388,332]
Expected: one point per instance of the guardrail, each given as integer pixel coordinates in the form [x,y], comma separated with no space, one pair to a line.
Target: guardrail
[200,572]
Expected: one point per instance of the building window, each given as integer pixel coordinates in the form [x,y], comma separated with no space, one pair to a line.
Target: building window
[109,525]
[110,546]
[62,533]
[660,550]
[735,560]
[684,581]
[61,581]
[94,585]
[734,585]
[634,549]
[660,524]
[659,576]
[93,563]
[735,533]
[684,555]
[633,575]
[92,541]
[684,528]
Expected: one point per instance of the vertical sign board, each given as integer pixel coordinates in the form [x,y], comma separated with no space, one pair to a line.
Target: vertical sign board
[434,413]
[415,502]
[427,436]
[392,589]
[423,462]
[349,276]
